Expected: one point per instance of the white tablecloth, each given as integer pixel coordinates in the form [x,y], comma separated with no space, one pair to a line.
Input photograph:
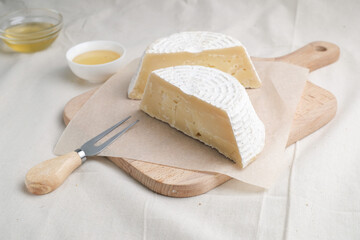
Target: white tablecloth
[317,198]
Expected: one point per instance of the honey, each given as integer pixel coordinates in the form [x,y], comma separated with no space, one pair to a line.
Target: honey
[30,37]
[96,57]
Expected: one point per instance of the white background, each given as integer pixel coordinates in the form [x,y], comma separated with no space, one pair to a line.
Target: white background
[317,198]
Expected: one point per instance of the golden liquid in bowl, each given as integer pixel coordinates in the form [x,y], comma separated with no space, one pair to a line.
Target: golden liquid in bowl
[96,57]
[31,38]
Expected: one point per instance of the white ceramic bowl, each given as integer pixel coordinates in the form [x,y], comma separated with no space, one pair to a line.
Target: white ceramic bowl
[100,72]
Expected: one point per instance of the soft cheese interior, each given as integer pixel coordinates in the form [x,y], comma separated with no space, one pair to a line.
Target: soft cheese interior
[208,105]
[196,48]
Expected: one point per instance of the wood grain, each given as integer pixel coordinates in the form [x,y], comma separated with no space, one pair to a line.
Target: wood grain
[316,108]
[49,175]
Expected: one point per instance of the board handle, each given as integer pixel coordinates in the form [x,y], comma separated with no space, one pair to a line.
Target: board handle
[49,175]
[313,56]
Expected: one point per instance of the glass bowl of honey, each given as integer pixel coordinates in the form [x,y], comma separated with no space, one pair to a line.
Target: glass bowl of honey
[30,30]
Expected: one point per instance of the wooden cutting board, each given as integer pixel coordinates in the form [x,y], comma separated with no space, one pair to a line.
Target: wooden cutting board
[315,109]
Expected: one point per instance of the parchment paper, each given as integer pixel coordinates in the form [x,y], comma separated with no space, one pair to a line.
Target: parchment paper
[154,141]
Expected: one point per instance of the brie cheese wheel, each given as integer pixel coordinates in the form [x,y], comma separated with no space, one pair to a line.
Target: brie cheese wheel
[207,49]
[208,105]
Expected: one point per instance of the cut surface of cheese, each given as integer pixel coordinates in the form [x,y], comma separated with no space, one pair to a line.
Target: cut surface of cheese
[208,105]
[207,49]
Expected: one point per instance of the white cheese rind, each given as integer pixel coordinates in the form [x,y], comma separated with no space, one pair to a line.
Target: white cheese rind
[193,43]
[223,91]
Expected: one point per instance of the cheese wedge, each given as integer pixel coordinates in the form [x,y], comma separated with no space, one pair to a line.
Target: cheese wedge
[208,105]
[207,49]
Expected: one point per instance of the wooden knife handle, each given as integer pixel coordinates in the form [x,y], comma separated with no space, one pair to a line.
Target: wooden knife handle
[313,56]
[49,175]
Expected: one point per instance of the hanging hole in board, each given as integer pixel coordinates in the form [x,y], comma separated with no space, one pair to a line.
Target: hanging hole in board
[320,48]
